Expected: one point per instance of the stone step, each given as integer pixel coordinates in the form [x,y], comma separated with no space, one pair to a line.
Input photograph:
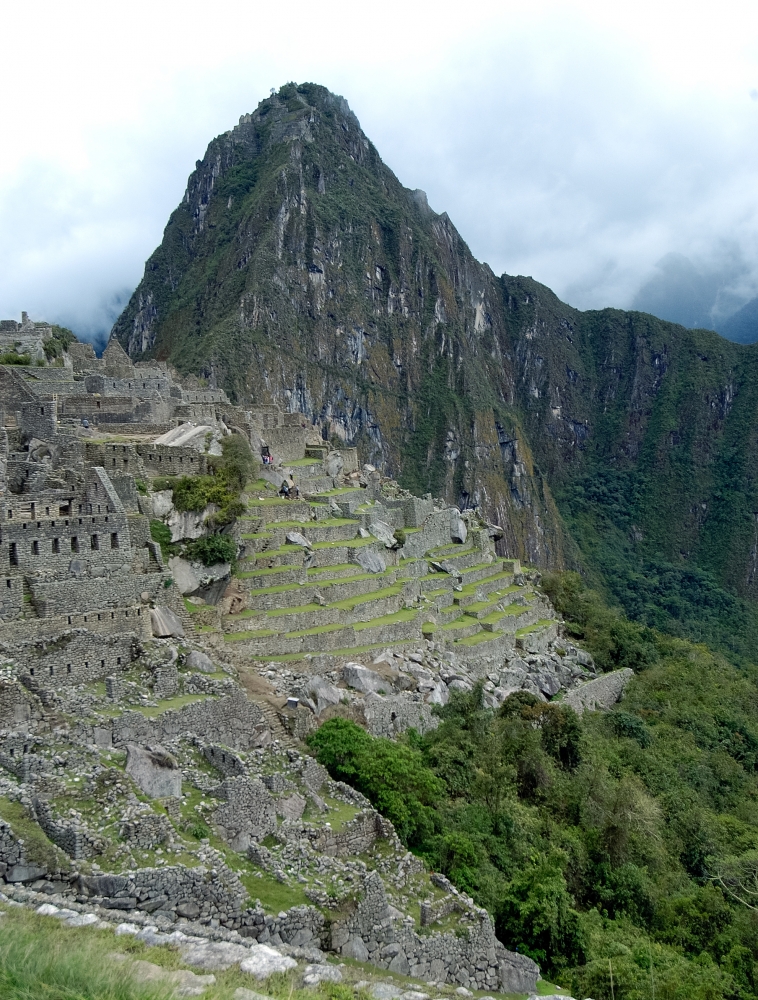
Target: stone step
[493,601]
[514,617]
[303,617]
[437,581]
[474,591]
[334,572]
[461,560]
[460,628]
[379,606]
[265,578]
[278,510]
[482,571]
[321,638]
[331,530]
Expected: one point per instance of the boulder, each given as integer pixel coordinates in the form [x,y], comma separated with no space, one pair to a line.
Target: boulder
[189,524]
[190,577]
[292,807]
[165,624]
[24,873]
[383,533]
[356,948]
[356,676]
[264,961]
[234,599]
[214,955]
[315,974]
[295,538]
[154,770]
[163,503]
[370,560]
[334,464]
[458,529]
[322,693]
[199,661]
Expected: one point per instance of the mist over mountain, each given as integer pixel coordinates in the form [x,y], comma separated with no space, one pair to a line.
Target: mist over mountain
[704,296]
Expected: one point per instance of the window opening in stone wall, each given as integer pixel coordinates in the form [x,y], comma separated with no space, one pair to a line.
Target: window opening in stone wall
[52,670]
[13,554]
[114,539]
[74,544]
[118,661]
[56,546]
[35,548]
[68,668]
[8,583]
[31,671]
[95,542]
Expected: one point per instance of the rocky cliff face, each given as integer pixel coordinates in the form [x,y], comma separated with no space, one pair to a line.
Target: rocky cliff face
[298,270]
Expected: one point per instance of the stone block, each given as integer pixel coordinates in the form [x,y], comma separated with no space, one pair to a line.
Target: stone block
[154,770]
[165,624]
[362,679]
[199,661]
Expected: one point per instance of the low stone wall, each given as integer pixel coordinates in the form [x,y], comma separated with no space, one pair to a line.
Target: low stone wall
[233,721]
[76,841]
[213,892]
[599,694]
[389,716]
[474,959]
[228,763]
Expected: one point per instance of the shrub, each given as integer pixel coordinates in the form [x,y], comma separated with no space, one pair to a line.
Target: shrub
[212,549]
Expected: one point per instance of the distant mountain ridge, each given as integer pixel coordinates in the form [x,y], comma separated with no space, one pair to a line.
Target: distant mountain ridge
[298,270]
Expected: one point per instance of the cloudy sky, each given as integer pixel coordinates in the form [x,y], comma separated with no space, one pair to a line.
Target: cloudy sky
[583,143]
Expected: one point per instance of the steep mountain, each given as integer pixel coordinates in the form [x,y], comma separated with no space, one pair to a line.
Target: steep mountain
[298,270]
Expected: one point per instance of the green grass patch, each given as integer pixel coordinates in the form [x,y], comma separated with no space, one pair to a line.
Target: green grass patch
[375,595]
[542,623]
[170,703]
[477,638]
[407,615]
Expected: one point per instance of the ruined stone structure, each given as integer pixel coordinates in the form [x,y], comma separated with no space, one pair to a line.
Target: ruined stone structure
[189,684]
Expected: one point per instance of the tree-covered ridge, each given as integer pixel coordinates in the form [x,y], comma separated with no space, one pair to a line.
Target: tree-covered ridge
[596,838]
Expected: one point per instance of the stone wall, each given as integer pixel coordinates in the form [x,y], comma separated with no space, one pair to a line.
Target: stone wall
[18,706]
[248,812]
[232,720]
[75,840]
[474,959]
[73,658]
[166,460]
[599,694]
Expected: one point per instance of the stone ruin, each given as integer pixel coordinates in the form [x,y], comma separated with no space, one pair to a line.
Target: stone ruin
[176,696]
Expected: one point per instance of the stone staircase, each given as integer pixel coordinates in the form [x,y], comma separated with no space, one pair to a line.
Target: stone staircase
[346,594]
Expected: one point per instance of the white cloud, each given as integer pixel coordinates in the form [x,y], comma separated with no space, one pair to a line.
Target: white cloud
[578,142]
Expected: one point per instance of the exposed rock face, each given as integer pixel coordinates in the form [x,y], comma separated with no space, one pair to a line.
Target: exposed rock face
[398,312]
[165,623]
[154,770]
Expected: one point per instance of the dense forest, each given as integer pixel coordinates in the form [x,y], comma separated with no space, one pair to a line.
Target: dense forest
[619,844]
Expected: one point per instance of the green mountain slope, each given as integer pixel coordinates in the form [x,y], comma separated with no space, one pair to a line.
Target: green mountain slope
[298,270]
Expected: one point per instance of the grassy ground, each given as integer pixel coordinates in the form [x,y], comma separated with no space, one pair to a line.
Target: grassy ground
[42,959]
